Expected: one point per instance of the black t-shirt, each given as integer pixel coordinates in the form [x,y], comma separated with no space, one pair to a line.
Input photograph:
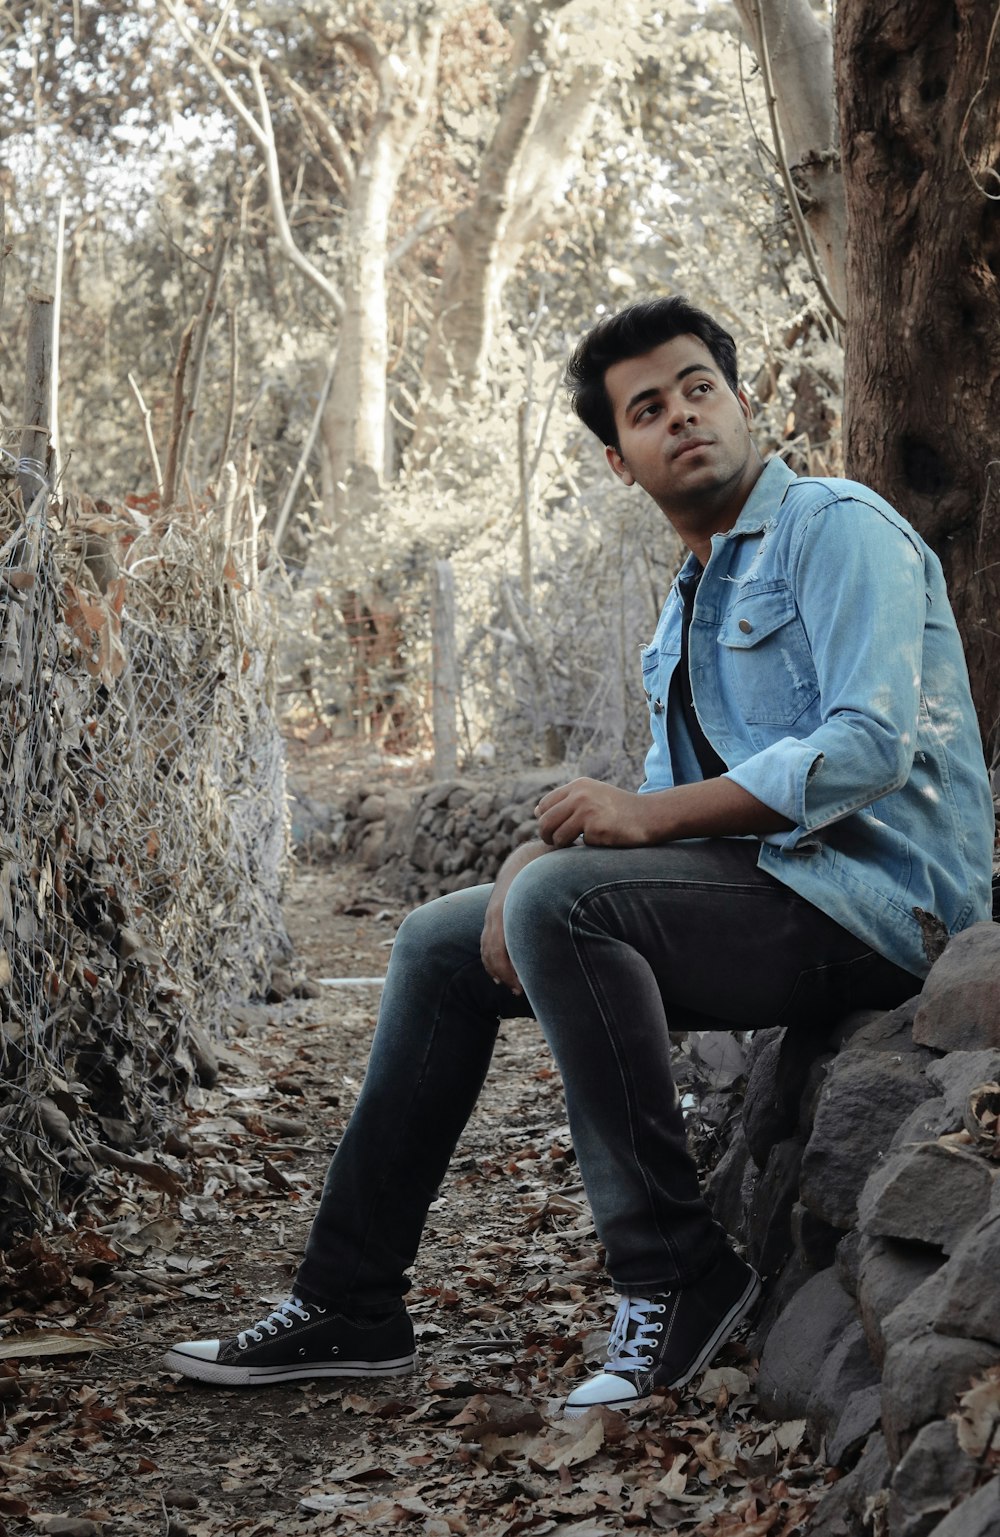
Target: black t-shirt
[710,763]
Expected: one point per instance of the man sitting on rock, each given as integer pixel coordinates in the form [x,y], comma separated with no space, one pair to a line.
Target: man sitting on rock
[814,794]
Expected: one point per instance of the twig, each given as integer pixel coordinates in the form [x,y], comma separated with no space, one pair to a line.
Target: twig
[147,427]
[307,448]
[199,352]
[791,192]
[170,478]
[56,319]
[234,367]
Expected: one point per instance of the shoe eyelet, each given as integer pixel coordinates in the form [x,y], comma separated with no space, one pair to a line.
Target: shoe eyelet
[658,1328]
[241,1344]
[335,1350]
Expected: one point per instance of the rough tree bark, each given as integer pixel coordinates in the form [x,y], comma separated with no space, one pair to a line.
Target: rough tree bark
[920,129]
[537,138]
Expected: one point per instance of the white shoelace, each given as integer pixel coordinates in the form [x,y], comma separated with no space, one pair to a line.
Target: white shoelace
[625,1345]
[269,1325]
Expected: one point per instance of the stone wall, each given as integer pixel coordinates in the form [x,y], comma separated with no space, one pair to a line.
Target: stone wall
[424,843]
[863,1181]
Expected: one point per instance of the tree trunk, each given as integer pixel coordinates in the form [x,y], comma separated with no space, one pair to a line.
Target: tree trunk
[801,52]
[33,470]
[535,143]
[444,669]
[354,421]
[920,130]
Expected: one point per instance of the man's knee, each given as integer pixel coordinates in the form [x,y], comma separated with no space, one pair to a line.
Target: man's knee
[449,923]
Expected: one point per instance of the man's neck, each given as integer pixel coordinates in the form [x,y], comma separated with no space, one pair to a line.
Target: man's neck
[696,521]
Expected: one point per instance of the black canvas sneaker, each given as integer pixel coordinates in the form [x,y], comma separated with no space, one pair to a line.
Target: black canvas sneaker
[662,1342]
[299,1339]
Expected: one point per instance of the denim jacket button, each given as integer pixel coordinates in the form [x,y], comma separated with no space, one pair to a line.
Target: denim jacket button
[746,626]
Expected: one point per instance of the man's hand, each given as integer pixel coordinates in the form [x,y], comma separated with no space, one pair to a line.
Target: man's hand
[606,817]
[493,944]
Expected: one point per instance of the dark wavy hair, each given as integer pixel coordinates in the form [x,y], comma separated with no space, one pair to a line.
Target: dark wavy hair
[630,334]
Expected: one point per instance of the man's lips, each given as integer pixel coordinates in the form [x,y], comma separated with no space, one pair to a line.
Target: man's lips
[688,444]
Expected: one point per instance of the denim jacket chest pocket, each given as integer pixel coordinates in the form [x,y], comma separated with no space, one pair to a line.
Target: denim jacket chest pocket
[765,655]
[658,662]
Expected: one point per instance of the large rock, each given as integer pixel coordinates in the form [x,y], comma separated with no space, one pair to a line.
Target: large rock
[960,1003]
[978,1516]
[889,1274]
[932,1194]
[933,1474]
[778,1072]
[817,1317]
[921,1381]
[969,1302]
[866,1096]
[916,1315]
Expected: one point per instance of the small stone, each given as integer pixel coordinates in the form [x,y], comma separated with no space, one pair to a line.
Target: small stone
[960,1003]
[860,1416]
[932,1194]
[957,1074]
[844,1511]
[729,1188]
[847,1368]
[176,1497]
[926,1123]
[373,808]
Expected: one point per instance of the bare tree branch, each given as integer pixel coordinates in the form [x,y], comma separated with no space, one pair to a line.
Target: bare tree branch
[262,131]
[320,121]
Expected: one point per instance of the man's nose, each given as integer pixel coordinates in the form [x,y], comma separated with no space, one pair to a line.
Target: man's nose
[681,414]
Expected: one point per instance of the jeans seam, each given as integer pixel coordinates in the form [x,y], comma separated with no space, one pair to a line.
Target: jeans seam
[625,1077]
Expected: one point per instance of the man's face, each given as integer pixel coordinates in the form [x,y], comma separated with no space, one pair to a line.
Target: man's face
[683,435]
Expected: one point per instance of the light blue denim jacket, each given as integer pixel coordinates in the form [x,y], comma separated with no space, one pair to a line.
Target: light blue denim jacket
[827,672]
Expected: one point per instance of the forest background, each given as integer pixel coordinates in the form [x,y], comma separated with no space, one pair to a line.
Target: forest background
[344,249]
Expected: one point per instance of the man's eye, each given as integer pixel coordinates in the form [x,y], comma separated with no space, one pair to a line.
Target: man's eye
[703,385]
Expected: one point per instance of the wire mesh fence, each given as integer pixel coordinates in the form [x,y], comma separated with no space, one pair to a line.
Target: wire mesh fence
[142,827]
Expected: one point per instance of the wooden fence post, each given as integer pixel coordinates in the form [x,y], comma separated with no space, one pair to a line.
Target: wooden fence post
[444,671]
[33,473]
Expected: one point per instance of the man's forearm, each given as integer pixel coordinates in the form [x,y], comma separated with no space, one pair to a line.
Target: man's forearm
[611,818]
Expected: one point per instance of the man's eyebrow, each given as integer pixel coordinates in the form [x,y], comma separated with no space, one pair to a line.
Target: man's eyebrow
[682,373]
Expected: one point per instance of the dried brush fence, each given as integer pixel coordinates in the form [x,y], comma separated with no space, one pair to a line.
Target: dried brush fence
[142,829]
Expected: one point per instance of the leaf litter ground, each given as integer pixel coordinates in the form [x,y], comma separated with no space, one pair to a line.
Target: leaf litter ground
[510,1304]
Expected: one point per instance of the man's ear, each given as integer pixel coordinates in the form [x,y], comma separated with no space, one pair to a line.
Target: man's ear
[745,406]
[618,464]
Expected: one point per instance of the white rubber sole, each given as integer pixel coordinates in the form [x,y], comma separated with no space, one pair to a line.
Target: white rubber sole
[263,1376]
[736,1314]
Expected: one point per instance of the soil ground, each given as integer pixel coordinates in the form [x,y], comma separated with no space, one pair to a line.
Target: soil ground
[509,1303]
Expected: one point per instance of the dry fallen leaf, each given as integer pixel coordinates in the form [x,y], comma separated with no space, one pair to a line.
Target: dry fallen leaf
[51,1342]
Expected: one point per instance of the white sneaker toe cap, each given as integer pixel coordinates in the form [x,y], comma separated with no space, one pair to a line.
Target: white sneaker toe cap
[197,1350]
[605,1388]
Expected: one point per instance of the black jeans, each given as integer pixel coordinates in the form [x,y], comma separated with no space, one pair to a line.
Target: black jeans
[610,945]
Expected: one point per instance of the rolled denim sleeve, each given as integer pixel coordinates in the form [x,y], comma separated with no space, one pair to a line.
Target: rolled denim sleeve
[860,589]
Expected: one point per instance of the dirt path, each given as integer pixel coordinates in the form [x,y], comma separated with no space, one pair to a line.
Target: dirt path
[509,1303]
